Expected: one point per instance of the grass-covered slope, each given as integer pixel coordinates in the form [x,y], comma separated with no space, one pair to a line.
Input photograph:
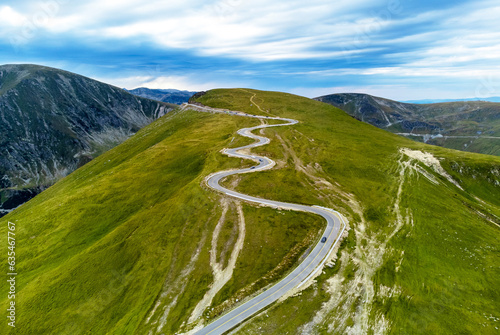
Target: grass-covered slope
[132,230]
[472,126]
[127,243]
[422,255]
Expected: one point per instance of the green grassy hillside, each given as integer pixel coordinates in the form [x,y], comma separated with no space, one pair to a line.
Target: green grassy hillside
[422,255]
[472,126]
[122,245]
[96,251]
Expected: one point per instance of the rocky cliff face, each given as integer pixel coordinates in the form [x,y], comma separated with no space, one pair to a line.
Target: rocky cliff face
[53,121]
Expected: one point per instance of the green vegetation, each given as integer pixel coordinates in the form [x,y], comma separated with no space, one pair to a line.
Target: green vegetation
[124,241]
[476,123]
[131,228]
[433,271]
[264,263]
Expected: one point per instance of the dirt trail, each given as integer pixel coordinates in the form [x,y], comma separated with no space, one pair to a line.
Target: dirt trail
[221,275]
[350,308]
[325,189]
[254,103]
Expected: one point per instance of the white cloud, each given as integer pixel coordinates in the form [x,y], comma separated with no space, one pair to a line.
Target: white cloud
[11,18]
[468,72]
[187,82]
[459,42]
[257,30]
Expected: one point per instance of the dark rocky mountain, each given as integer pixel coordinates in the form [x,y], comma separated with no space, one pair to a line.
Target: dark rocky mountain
[170,95]
[464,125]
[53,121]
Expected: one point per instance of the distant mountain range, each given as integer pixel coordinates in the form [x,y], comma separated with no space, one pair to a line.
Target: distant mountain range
[169,95]
[463,125]
[53,121]
[433,101]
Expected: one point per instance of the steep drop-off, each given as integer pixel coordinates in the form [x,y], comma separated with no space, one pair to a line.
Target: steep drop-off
[53,121]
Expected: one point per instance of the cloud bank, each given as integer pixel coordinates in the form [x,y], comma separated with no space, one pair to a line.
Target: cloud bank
[403,49]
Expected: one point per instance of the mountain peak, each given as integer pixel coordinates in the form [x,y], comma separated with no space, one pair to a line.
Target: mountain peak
[54,121]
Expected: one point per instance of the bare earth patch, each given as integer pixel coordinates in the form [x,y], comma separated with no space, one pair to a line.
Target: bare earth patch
[430,161]
[221,275]
[352,290]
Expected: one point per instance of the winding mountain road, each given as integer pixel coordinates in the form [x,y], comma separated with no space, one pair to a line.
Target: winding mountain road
[312,262]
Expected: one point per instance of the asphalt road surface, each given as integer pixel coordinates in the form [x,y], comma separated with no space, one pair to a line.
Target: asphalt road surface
[313,261]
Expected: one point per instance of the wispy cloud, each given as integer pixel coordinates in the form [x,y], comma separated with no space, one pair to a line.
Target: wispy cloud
[292,45]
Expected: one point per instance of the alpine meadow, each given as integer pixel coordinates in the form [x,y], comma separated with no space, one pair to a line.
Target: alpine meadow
[123,245]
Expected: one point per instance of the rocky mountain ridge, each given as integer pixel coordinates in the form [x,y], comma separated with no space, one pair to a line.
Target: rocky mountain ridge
[53,121]
[463,125]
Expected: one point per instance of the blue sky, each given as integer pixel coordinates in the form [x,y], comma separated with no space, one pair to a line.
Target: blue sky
[399,49]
